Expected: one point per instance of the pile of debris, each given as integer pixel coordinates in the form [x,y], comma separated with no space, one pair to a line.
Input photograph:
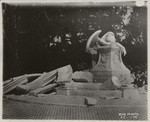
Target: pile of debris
[45,82]
[31,87]
[64,87]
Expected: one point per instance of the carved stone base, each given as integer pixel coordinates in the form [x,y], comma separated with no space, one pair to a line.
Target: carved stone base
[110,64]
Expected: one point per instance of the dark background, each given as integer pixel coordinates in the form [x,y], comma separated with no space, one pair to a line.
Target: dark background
[29,32]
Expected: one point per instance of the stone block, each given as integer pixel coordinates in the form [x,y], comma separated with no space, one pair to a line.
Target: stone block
[131,93]
[82,86]
[64,74]
[90,101]
[82,76]
[88,93]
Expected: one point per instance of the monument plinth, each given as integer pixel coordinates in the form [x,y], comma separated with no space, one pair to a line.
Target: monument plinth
[110,64]
[109,72]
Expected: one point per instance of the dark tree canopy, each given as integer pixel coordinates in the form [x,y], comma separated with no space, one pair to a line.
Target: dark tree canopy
[42,38]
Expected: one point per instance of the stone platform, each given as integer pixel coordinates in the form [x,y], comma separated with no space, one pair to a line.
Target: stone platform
[94,90]
[87,89]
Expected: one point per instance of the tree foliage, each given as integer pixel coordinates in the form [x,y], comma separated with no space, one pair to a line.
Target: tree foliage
[41,38]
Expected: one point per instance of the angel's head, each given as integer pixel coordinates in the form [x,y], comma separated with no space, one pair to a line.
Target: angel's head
[109,37]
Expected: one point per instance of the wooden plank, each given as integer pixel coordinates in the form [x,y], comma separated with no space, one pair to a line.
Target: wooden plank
[15,78]
[50,77]
[12,85]
[29,75]
[13,82]
[37,83]
[41,81]
[7,81]
[43,89]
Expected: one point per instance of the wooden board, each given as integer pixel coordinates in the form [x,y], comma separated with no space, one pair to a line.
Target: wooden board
[37,83]
[50,76]
[40,82]
[12,85]
[43,89]
[15,78]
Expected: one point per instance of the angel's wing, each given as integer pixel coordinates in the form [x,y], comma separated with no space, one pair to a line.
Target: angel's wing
[92,40]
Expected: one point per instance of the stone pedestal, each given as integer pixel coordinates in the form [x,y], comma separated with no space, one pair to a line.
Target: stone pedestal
[109,64]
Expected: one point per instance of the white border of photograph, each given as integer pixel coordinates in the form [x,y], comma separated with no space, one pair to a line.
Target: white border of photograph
[64,2]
